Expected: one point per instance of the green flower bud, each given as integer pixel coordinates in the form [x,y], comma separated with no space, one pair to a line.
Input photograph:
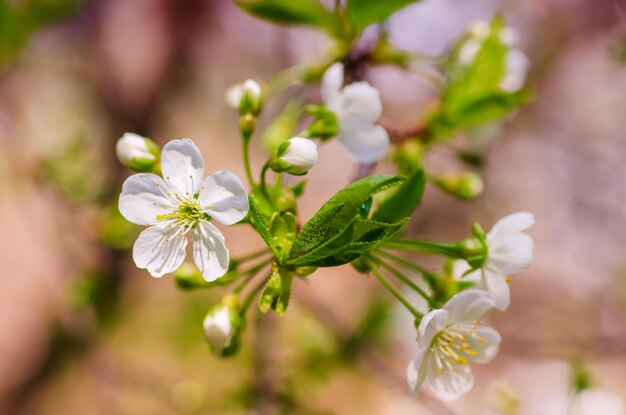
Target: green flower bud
[188,277]
[247,124]
[138,153]
[325,125]
[464,185]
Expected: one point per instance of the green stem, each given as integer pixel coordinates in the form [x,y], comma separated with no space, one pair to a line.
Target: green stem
[424,247]
[246,160]
[251,273]
[396,293]
[253,293]
[401,277]
[252,255]
[410,265]
[266,167]
[284,79]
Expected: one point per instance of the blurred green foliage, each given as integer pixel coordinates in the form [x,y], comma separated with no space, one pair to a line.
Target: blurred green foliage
[20,18]
[77,172]
[363,13]
[473,95]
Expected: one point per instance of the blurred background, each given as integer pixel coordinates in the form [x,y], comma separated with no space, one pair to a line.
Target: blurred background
[85,332]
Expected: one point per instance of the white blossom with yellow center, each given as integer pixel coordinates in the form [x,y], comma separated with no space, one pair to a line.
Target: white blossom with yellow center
[357,107]
[450,338]
[182,201]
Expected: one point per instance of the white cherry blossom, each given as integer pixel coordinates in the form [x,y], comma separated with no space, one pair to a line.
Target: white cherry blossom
[182,201]
[509,251]
[448,339]
[357,107]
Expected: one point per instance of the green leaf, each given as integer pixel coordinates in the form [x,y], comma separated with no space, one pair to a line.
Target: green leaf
[363,13]
[258,219]
[290,12]
[283,232]
[277,292]
[361,237]
[339,212]
[403,201]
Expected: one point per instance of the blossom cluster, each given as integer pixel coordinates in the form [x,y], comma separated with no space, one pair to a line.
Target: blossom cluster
[360,225]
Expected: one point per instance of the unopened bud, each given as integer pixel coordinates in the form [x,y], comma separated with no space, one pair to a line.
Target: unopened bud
[247,124]
[465,185]
[295,156]
[246,97]
[222,326]
[188,277]
[325,125]
[138,153]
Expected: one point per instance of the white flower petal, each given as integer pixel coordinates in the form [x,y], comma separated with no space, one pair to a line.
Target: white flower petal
[469,50]
[224,198]
[359,106]
[331,84]
[232,96]
[143,197]
[510,253]
[459,269]
[516,65]
[159,249]
[366,146]
[495,284]
[450,384]
[516,222]
[416,371]
[209,251]
[429,326]
[182,166]
[599,402]
[486,349]
[468,306]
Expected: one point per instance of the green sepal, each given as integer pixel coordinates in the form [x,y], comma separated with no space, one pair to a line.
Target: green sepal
[277,291]
[298,188]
